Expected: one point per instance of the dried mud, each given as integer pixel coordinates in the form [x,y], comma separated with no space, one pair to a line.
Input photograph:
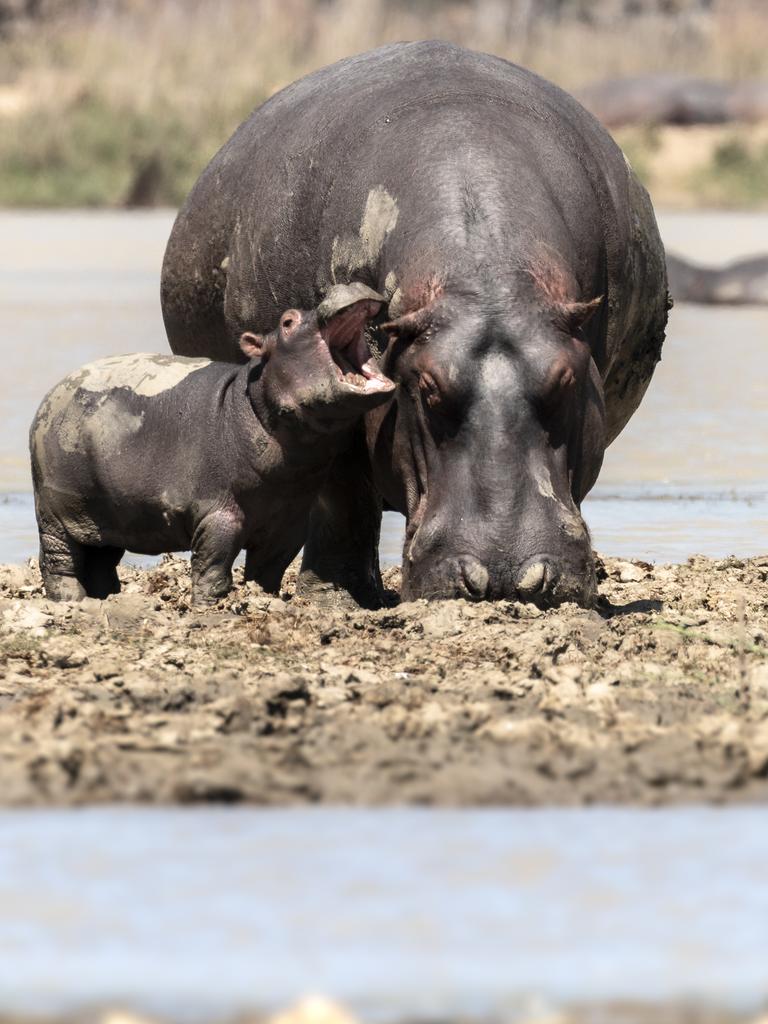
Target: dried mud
[658,695]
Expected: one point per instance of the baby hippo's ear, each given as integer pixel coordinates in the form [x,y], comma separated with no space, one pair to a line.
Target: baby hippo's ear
[253,346]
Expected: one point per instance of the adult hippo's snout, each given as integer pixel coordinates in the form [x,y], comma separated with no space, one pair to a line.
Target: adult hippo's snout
[474,578]
[464,576]
[542,579]
[536,578]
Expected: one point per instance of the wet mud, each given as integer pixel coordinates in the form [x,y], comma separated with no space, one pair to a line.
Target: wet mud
[658,695]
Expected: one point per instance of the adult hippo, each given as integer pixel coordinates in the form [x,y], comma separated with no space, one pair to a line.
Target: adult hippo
[675,99]
[739,283]
[526,296]
[658,99]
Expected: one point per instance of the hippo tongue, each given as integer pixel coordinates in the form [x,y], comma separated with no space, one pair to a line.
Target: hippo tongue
[354,366]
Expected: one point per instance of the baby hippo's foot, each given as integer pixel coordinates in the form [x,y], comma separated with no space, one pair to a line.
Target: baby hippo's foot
[211,585]
[204,595]
[62,588]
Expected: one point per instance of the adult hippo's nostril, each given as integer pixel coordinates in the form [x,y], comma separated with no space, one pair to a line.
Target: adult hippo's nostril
[540,580]
[475,577]
[536,578]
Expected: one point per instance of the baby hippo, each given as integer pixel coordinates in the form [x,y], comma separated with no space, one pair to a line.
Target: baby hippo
[156,453]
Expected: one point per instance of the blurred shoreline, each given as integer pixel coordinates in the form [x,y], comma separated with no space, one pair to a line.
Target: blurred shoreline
[109,103]
[317,1011]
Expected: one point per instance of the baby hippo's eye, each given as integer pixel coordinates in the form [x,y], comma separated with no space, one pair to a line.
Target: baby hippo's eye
[289,321]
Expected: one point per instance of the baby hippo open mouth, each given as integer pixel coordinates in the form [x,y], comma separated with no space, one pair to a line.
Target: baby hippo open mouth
[342,318]
[320,369]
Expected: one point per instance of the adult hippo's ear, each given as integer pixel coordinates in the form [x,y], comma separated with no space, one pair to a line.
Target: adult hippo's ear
[572,316]
[408,326]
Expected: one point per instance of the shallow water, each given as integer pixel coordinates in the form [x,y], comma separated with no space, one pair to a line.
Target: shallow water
[396,912]
[688,475]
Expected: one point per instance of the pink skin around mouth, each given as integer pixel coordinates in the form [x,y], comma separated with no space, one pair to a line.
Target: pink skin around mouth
[345,338]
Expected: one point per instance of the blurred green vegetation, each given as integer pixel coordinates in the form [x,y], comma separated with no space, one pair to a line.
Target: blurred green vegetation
[722,166]
[736,175]
[98,153]
[640,145]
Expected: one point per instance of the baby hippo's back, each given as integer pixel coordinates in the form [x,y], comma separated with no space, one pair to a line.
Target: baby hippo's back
[110,446]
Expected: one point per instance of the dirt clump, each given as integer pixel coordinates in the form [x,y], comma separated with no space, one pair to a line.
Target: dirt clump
[658,695]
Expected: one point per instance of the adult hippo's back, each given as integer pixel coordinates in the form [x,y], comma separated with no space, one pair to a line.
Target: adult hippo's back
[527,305]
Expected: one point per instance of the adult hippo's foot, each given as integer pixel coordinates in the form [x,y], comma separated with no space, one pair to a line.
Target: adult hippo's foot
[340,565]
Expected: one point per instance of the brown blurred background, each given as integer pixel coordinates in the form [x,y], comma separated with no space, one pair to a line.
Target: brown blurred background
[122,102]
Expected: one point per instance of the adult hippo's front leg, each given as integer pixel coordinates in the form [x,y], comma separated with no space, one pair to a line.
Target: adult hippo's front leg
[341,553]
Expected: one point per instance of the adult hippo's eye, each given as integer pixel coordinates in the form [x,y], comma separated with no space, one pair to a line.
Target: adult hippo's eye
[442,407]
[558,389]
[430,391]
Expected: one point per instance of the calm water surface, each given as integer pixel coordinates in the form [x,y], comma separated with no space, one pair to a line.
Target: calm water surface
[689,474]
[421,912]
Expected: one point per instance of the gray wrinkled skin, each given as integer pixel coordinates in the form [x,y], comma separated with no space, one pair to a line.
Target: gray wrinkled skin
[526,290]
[155,453]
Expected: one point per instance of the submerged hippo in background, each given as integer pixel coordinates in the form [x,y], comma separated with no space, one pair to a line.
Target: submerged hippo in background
[739,283]
[527,304]
[155,453]
[675,99]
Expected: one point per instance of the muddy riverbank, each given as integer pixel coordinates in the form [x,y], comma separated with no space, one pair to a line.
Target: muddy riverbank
[659,695]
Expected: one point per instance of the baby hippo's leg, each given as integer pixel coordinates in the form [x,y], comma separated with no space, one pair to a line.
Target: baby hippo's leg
[215,546]
[62,563]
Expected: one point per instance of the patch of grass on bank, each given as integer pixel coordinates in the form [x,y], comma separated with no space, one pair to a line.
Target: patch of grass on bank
[640,145]
[94,153]
[702,165]
[736,175]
